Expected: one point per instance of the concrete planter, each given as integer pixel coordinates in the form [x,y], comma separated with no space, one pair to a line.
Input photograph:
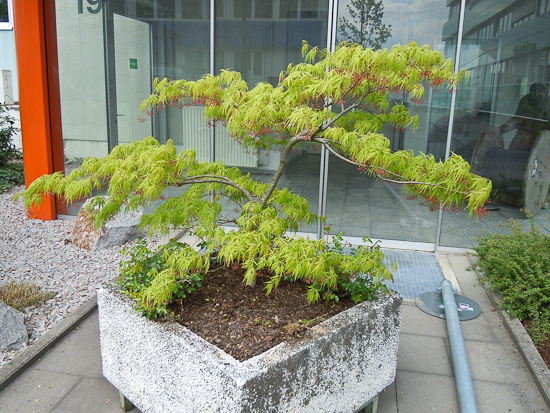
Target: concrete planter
[164,367]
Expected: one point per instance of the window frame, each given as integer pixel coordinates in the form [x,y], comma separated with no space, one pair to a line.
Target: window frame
[9,24]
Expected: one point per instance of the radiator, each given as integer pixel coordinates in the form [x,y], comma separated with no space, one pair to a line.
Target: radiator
[197,135]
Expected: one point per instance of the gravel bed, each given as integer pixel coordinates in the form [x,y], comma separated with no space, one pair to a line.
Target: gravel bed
[42,253]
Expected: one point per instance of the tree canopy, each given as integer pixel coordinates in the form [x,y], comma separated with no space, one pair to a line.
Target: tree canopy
[339,100]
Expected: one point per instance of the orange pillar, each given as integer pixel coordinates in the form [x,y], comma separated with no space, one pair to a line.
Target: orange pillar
[42,148]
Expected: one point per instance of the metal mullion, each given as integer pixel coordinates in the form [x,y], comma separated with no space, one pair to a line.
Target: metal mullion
[325,156]
[212,70]
[452,108]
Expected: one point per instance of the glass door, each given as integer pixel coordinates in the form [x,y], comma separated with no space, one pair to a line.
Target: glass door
[132,53]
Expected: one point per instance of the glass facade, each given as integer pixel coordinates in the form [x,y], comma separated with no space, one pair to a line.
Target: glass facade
[109,53]
[358,205]
[501,115]
[259,39]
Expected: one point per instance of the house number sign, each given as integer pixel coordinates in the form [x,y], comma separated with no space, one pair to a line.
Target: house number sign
[93,6]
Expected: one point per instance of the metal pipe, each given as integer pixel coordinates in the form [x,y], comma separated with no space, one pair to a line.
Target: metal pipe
[463,378]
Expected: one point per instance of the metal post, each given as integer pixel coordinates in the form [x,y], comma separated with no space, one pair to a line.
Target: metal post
[463,378]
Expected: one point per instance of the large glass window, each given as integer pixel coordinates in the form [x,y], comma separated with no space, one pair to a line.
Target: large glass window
[109,53]
[82,80]
[260,41]
[6,15]
[502,114]
[356,204]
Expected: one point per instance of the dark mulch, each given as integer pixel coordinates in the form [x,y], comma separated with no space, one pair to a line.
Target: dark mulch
[544,350]
[244,322]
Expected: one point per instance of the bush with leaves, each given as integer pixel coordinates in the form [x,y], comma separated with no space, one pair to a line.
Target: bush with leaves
[10,173]
[143,275]
[339,100]
[8,151]
[518,266]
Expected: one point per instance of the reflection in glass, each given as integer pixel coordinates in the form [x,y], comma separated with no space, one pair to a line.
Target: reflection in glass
[364,24]
[108,56]
[260,42]
[503,113]
[82,83]
[357,204]
[4,17]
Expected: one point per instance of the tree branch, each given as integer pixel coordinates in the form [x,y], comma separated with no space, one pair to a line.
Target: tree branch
[402,181]
[282,165]
[216,179]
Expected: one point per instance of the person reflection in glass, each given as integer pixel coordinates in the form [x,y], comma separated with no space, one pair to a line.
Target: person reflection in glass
[532,116]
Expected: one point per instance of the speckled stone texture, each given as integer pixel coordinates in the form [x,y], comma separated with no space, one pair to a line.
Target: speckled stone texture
[123,227]
[164,367]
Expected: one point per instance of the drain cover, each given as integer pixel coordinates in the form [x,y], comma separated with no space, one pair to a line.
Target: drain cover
[432,303]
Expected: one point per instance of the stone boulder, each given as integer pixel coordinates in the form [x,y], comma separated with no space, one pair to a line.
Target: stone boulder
[122,228]
[13,332]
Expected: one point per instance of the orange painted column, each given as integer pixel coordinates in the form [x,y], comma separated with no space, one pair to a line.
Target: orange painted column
[42,149]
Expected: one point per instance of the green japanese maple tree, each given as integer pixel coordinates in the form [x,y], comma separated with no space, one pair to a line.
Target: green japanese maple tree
[339,100]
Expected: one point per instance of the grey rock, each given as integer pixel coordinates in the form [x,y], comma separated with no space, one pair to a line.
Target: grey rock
[13,332]
[117,231]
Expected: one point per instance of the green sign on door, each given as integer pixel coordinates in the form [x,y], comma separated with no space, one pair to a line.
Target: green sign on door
[133,63]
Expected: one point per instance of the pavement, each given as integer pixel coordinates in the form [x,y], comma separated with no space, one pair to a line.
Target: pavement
[505,373]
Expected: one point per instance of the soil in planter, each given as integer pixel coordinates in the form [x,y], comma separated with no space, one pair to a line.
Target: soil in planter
[244,322]
[543,348]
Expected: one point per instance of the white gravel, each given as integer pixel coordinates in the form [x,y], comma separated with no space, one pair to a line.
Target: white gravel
[42,253]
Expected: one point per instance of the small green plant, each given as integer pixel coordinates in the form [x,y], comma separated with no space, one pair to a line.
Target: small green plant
[518,266]
[20,295]
[351,281]
[10,173]
[340,100]
[147,277]
[8,151]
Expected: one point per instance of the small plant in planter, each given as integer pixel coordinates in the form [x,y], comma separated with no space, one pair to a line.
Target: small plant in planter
[339,100]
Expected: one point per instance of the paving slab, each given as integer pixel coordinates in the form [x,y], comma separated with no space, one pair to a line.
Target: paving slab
[487,327]
[68,357]
[387,400]
[422,392]
[36,391]
[415,321]
[497,362]
[498,397]
[423,354]
[91,395]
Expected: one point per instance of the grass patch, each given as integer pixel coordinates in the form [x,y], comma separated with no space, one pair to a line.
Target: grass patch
[518,266]
[19,295]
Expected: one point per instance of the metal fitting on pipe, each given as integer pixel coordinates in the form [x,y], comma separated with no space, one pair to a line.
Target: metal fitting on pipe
[463,378]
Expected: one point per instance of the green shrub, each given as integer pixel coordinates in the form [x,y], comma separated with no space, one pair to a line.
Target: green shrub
[518,266]
[10,175]
[7,150]
[147,278]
